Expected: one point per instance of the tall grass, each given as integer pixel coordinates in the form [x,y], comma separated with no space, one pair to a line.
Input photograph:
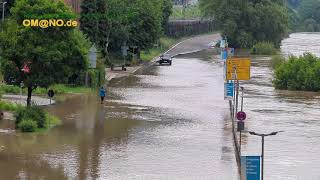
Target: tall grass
[190,12]
[264,48]
[164,44]
[58,89]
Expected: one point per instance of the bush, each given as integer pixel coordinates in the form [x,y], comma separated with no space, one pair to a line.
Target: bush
[299,73]
[7,106]
[264,48]
[277,60]
[35,113]
[28,125]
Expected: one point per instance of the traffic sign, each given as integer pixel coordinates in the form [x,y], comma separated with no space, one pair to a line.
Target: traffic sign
[51,93]
[93,57]
[241,116]
[224,54]
[250,167]
[230,52]
[222,43]
[228,90]
[238,68]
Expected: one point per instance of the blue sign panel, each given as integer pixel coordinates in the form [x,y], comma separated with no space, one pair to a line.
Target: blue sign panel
[230,51]
[229,89]
[250,167]
[224,54]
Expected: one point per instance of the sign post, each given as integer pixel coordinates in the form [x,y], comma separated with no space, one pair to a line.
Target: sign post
[250,167]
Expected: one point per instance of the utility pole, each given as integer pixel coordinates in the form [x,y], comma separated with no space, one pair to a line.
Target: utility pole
[3,3]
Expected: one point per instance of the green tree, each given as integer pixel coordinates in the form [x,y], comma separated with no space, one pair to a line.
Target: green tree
[166,12]
[114,23]
[247,22]
[52,55]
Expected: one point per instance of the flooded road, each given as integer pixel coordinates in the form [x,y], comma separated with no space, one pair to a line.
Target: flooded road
[165,122]
[171,122]
[293,154]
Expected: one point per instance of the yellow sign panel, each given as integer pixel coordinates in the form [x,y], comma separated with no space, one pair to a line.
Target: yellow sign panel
[238,68]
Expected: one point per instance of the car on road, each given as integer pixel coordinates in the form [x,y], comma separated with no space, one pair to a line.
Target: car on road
[212,44]
[165,58]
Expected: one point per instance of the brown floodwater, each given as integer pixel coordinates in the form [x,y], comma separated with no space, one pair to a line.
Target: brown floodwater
[165,122]
[293,154]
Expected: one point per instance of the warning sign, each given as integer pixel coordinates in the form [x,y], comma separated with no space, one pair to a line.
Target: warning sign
[238,68]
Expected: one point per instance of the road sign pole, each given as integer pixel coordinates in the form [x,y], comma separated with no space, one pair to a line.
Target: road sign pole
[242,89]
[262,157]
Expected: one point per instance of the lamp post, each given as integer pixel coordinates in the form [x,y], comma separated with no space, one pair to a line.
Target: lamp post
[3,3]
[262,144]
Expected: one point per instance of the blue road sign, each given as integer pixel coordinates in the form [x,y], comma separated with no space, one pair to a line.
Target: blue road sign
[250,167]
[229,89]
[230,51]
[224,54]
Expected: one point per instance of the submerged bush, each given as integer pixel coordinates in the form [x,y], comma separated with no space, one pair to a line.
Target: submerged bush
[27,125]
[33,113]
[277,60]
[299,73]
[264,48]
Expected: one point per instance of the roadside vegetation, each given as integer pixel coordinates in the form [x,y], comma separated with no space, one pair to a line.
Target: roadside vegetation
[34,119]
[298,73]
[30,119]
[189,12]
[58,89]
[164,44]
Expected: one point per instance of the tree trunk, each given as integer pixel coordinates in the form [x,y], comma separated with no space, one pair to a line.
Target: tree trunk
[29,96]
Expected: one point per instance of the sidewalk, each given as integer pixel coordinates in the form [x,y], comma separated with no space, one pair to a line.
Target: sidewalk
[39,101]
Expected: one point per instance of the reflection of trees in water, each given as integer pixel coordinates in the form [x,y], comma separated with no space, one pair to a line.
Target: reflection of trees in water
[14,166]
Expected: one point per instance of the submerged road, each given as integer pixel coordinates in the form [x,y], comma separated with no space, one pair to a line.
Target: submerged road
[164,122]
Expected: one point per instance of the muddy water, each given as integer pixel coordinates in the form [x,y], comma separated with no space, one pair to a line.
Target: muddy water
[167,122]
[293,154]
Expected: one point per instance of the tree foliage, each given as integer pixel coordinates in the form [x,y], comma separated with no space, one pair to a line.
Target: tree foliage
[247,22]
[53,55]
[131,22]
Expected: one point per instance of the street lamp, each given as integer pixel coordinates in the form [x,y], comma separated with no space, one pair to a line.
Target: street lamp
[3,3]
[262,142]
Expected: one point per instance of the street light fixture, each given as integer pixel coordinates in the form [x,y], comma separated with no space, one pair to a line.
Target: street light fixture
[3,3]
[262,143]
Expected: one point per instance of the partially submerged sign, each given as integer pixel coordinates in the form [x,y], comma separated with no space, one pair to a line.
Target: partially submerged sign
[250,167]
[238,68]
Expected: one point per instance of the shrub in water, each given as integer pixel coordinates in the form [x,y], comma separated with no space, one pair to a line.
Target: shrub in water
[277,60]
[27,125]
[299,73]
[264,48]
[34,113]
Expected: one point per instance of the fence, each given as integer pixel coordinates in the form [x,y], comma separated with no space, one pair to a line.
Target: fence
[180,28]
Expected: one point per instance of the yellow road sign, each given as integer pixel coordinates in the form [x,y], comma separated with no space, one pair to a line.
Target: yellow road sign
[238,68]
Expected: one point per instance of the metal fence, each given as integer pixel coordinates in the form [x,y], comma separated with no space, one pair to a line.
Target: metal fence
[180,28]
